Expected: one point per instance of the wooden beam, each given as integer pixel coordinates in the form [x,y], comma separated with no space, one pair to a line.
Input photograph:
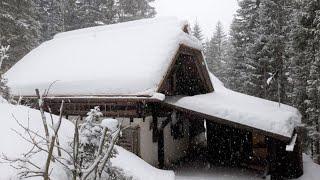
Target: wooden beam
[124,114]
[94,99]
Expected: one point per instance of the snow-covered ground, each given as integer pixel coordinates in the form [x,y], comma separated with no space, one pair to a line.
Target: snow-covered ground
[132,164]
[311,170]
[197,170]
[13,146]
[216,173]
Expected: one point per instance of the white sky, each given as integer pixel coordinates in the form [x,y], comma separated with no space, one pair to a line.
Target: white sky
[206,12]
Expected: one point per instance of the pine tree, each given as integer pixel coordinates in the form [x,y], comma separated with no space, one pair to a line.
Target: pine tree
[216,53]
[50,17]
[271,47]
[243,35]
[95,12]
[300,66]
[18,27]
[259,35]
[55,16]
[128,10]
[197,32]
[308,42]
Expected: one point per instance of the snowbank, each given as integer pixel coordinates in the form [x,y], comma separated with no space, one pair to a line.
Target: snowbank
[243,109]
[141,170]
[13,146]
[311,169]
[121,59]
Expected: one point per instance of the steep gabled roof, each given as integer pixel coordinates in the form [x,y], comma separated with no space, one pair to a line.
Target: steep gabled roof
[122,59]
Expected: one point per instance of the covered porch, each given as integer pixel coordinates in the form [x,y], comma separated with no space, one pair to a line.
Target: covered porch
[245,132]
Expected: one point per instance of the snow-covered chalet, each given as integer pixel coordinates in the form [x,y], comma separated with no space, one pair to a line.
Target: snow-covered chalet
[152,75]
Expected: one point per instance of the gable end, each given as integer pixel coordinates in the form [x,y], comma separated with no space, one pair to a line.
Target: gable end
[187,74]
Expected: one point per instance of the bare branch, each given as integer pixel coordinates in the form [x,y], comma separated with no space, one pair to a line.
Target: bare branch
[56,128]
[46,92]
[76,149]
[43,116]
[57,139]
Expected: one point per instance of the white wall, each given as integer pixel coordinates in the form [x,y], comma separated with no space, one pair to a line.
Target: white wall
[148,149]
[173,149]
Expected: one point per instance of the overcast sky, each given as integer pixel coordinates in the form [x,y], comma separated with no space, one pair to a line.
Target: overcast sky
[206,12]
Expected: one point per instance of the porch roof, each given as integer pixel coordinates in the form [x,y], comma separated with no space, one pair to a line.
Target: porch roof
[230,107]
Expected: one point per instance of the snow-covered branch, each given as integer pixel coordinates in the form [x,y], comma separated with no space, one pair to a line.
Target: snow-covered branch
[3,53]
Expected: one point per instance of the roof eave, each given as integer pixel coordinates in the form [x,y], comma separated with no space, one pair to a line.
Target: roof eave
[96,98]
[280,137]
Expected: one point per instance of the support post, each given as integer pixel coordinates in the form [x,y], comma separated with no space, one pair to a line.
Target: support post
[161,156]
[294,159]
[283,164]
[154,125]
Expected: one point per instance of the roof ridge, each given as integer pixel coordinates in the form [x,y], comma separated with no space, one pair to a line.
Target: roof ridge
[119,26]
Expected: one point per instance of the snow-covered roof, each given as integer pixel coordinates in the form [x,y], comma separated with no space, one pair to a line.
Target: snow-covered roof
[242,109]
[122,59]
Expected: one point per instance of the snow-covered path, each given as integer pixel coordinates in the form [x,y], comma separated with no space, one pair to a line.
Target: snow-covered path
[214,173]
[199,170]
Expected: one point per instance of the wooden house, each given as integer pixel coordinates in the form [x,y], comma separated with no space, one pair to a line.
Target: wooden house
[151,74]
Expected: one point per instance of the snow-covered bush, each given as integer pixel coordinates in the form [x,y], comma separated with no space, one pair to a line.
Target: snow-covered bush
[96,147]
[89,137]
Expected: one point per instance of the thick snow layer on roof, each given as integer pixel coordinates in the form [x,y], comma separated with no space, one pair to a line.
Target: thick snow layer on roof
[243,109]
[122,59]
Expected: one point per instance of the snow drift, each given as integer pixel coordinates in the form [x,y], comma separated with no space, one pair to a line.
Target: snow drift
[14,146]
